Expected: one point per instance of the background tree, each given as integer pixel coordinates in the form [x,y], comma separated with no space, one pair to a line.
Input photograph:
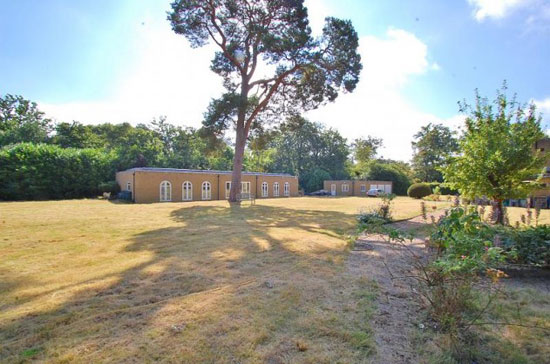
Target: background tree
[21,121]
[364,151]
[302,147]
[387,170]
[497,154]
[432,146]
[308,72]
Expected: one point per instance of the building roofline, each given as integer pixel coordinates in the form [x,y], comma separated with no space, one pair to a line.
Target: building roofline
[202,171]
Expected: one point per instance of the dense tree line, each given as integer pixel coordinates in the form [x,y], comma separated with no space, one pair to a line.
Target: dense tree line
[43,160]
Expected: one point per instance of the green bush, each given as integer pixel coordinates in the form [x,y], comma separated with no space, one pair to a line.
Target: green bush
[40,172]
[443,189]
[419,190]
[530,245]
[110,187]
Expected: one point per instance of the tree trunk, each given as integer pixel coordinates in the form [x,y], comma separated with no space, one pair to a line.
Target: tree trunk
[499,212]
[237,165]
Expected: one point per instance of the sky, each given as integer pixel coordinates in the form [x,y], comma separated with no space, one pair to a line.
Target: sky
[98,61]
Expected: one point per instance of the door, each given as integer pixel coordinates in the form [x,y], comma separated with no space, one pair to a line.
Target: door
[333,190]
[227,189]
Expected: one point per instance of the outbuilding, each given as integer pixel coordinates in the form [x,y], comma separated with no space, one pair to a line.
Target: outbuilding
[149,185]
[356,187]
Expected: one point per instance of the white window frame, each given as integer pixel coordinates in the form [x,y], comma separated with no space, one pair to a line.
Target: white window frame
[287,189]
[245,189]
[166,195]
[265,189]
[227,190]
[187,193]
[345,187]
[128,186]
[206,193]
[363,188]
[276,189]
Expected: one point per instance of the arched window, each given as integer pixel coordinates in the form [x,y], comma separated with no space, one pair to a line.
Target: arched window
[265,189]
[276,189]
[187,191]
[128,186]
[287,189]
[165,191]
[206,190]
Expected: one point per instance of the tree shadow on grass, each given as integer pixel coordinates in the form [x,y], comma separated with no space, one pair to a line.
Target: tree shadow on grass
[198,270]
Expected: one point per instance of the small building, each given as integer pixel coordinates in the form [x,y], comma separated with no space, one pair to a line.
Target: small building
[149,185]
[356,187]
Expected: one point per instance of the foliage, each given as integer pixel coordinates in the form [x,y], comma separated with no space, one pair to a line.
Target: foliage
[381,170]
[377,216]
[306,149]
[313,180]
[529,245]
[365,149]
[111,186]
[308,72]
[21,121]
[39,171]
[496,151]
[419,190]
[432,145]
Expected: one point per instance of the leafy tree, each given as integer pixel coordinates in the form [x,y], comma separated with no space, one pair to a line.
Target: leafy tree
[432,146]
[21,121]
[497,154]
[76,135]
[308,72]
[302,146]
[389,171]
[365,149]
[313,180]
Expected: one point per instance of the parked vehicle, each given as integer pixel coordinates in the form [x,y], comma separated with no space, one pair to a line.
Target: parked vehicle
[320,193]
[375,192]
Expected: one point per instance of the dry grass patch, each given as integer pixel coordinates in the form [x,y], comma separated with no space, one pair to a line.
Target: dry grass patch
[93,281]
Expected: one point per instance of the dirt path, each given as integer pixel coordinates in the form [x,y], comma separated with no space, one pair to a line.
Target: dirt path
[397,311]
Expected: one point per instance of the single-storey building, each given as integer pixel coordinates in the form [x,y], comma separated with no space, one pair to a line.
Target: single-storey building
[356,187]
[149,185]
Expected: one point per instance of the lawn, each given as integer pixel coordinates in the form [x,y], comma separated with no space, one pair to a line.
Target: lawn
[95,281]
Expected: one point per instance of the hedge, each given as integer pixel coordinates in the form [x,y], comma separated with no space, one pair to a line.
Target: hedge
[41,171]
[419,190]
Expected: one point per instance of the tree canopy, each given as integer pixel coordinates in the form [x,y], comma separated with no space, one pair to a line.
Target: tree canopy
[20,120]
[432,146]
[497,158]
[300,72]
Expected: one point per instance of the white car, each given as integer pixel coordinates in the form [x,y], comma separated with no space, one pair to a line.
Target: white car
[375,192]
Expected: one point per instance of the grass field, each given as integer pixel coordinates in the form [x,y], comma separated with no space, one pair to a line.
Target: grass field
[94,281]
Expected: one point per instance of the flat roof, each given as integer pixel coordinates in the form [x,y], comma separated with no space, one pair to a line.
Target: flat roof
[202,171]
[357,180]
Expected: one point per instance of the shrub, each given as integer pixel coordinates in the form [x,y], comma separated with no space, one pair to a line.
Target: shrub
[111,187]
[40,171]
[419,190]
[530,245]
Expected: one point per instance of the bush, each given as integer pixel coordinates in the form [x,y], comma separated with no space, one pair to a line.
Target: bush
[389,172]
[313,180]
[419,190]
[530,245]
[111,187]
[443,189]
[40,171]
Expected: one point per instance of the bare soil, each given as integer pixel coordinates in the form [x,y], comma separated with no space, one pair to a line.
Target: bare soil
[398,310]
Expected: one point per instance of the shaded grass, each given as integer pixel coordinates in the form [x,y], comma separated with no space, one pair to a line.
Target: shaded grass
[93,281]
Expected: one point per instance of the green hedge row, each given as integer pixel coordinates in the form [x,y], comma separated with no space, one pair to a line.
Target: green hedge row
[41,171]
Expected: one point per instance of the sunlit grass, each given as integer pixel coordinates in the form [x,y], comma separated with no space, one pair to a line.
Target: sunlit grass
[90,280]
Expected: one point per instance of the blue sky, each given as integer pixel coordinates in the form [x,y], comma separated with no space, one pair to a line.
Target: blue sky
[103,60]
